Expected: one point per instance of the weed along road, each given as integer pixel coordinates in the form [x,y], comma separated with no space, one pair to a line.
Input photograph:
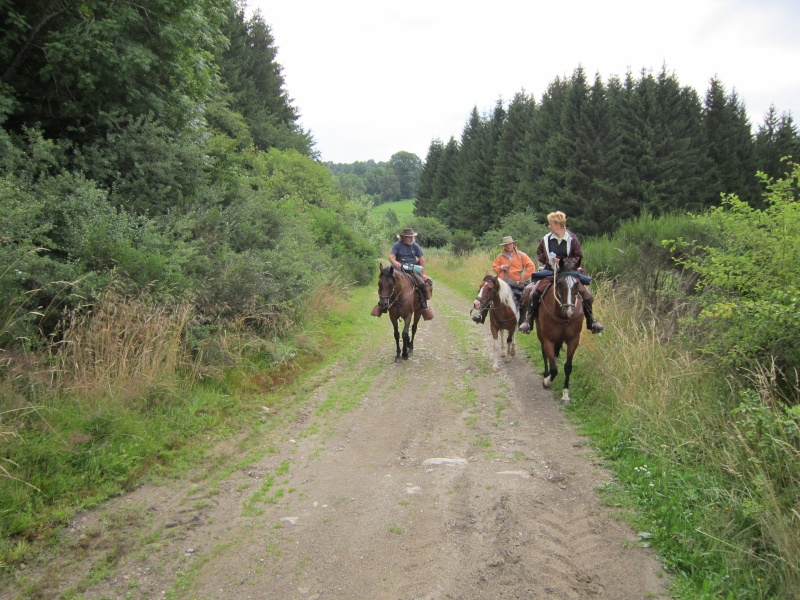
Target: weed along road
[432,478]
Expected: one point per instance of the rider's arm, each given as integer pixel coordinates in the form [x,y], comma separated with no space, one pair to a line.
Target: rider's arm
[394,261]
[575,258]
[527,264]
[422,264]
[497,265]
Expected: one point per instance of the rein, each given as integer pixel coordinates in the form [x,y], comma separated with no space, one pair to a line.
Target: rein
[556,298]
[488,303]
[397,297]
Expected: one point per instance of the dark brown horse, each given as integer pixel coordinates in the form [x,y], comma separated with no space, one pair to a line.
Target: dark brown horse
[559,322]
[498,296]
[397,294]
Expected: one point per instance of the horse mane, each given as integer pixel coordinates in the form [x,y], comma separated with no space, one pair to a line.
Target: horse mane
[506,295]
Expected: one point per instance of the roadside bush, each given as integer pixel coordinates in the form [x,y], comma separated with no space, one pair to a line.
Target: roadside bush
[432,232]
[749,308]
[462,243]
[526,227]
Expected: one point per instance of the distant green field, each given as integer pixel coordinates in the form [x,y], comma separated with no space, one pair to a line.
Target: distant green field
[404,209]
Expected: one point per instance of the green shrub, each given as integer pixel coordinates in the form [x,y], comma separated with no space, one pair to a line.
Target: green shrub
[432,232]
[462,243]
[525,227]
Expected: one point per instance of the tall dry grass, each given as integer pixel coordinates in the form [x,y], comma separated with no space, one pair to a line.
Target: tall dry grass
[740,440]
[123,347]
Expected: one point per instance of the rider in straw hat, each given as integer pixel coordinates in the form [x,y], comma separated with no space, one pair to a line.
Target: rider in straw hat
[407,251]
[512,265]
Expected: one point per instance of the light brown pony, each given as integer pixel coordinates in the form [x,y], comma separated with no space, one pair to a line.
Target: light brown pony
[498,296]
[398,295]
[559,321]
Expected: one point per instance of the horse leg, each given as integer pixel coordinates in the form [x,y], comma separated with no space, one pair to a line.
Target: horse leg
[550,365]
[406,339]
[512,347]
[567,370]
[396,340]
[497,346]
[413,333]
[565,399]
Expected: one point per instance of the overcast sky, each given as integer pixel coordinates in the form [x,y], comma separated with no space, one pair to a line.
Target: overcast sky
[371,78]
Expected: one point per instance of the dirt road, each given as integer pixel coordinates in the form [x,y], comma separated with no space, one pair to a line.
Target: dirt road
[433,478]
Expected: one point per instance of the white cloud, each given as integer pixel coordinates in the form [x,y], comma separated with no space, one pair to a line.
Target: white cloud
[372,78]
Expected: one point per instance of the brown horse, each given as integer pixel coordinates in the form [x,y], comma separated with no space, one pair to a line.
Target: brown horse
[397,294]
[498,296]
[559,321]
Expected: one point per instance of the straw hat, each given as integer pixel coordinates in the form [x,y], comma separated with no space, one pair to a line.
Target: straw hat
[508,240]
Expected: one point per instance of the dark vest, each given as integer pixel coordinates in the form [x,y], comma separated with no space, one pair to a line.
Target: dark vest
[557,248]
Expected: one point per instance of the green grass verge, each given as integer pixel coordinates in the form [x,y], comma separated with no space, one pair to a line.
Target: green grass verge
[72,455]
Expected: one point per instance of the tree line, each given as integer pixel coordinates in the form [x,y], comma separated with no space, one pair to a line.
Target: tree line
[381,181]
[153,146]
[603,152]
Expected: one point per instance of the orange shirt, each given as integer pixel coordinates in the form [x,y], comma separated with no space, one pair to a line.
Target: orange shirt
[516,261]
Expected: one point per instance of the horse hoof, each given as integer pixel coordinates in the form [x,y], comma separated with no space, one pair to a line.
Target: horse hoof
[547,382]
[397,359]
[565,399]
[508,358]
[405,357]
[495,368]
[512,352]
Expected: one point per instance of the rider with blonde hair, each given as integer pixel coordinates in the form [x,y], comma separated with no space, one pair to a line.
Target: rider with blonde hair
[560,250]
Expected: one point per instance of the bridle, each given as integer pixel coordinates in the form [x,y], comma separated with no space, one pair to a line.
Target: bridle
[569,283]
[485,303]
[386,302]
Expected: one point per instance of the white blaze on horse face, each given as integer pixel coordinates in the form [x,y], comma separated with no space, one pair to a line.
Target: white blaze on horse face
[478,300]
[569,302]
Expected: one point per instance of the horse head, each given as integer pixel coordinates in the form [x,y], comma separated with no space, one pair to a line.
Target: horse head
[386,283]
[566,294]
[487,291]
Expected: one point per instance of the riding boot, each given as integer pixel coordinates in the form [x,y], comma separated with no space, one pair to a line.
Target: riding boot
[533,310]
[523,313]
[591,323]
[427,313]
[480,318]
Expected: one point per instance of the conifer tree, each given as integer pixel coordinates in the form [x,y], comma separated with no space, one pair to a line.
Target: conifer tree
[425,203]
[254,79]
[467,210]
[776,139]
[536,187]
[511,149]
[445,181]
[729,144]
